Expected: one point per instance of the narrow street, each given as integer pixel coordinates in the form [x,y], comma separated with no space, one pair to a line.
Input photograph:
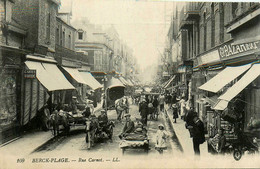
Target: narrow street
[75,143]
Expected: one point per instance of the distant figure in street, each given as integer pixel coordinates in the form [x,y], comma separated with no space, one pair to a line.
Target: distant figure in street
[182,103]
[161,137]
[175,112]
[129,126]
[161,102]
[143,109]
[198,134]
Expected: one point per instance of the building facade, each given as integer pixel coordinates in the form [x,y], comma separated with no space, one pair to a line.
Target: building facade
[213,38]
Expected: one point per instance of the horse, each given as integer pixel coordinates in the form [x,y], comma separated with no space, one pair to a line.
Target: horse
[91,129]
[57,119]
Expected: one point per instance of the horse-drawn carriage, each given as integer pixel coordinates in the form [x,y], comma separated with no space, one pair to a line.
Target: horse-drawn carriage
[96,130]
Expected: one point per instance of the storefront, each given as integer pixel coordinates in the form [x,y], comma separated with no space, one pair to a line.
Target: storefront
[10,92]
[47,86]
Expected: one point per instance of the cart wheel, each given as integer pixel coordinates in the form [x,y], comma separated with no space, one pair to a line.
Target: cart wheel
[237,154]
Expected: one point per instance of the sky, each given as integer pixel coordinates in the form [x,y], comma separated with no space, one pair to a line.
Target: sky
[141,24]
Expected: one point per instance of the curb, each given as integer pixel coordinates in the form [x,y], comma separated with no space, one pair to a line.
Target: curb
[171,122]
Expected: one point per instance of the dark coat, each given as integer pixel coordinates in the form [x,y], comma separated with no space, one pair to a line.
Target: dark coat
[143,109]
[198,131]
[129,127]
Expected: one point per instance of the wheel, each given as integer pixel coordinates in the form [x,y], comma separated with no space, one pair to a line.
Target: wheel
[237,154]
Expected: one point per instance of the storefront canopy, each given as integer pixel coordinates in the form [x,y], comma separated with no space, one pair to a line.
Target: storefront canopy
[169,82]
[125,82]
[221,105]
[249,77]
[114,82]
[49,75]
[74,73]
[90,80]
[223,78]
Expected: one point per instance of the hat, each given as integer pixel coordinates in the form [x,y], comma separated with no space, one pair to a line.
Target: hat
[74,97]
[161,125]
[127,114]
[103,111]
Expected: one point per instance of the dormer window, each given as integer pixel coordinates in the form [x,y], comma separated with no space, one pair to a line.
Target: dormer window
[80,34]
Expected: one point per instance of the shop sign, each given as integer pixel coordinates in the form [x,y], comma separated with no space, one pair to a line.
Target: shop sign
[29,74]
[229,50]
[210,57]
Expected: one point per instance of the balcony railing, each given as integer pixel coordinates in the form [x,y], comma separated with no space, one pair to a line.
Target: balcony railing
[62,52]
[192,11]
[189,14]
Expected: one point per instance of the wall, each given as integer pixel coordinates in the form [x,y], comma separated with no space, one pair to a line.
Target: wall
[26,13]
[45,7]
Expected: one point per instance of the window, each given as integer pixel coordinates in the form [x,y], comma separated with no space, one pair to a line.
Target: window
[221,32]
[69,46]
[205,31]
[80,35]
[63,39]
[57,35]
[8,12]
[212,25]
[48,22]
[234,9]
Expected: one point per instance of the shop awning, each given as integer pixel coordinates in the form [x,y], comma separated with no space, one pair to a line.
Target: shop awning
[114,82]
[74,73]
[49,75]
[169,82]
[223,78]
[130,83]
[90,80]
[221,105]
[249,77]
[122,79]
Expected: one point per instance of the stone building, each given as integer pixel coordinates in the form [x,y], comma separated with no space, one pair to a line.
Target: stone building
[221,52]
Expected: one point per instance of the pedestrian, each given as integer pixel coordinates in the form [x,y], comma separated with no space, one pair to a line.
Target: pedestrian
[175,112]
[182,103]
[161,137]
[161,102]
[198,134]
[119,105]
[143,109]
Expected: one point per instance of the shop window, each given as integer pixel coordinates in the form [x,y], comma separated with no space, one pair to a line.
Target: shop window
[63,39]
[7,100]
[57,36]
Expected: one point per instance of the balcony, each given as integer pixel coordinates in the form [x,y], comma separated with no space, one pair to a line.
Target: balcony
[192,11]
[189,14]
[62,52]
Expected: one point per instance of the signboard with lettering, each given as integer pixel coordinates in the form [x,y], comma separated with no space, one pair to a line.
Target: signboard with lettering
[29,74]
[229,50]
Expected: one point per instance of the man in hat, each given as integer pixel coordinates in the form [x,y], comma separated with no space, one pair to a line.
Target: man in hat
[129,125]
[143,109]
[102,118]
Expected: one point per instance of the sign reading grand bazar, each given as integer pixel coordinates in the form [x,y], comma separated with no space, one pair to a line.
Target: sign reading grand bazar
[230,49]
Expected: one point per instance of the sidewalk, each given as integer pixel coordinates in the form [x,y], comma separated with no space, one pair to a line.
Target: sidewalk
[183,136]
[26,144]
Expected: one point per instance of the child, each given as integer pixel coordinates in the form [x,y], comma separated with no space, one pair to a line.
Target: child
[175,112]
[161,136]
